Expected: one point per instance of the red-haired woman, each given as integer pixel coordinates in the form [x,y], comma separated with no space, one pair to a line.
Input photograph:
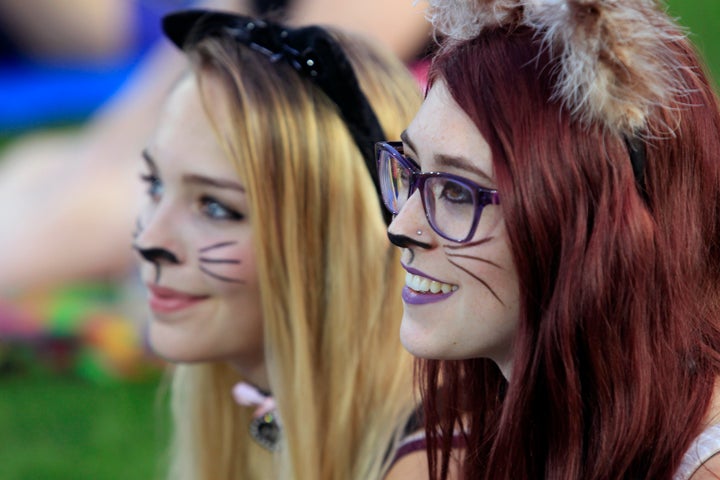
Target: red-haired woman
[557,201]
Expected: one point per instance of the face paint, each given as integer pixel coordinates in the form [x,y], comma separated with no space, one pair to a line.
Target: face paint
[156,256]
[194,229]
[461,299]
[456,259]
[207,263]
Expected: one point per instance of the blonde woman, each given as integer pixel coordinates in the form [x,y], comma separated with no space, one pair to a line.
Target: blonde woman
[266,259]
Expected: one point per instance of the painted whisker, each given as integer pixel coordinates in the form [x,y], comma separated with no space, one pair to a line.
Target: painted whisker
[472,257]
[478,279]
[220,277]
[220,260]
[217,245]
[469,244]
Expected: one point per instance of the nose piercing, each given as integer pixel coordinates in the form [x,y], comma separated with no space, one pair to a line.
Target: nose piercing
[419,232]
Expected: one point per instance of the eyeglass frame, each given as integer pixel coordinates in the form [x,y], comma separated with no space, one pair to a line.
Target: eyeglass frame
[482,197]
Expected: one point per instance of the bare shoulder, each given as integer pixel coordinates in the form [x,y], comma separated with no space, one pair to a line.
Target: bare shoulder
[410,467]
[709,470]
[414,466]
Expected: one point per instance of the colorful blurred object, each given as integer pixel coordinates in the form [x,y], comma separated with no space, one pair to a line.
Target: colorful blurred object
[80,329]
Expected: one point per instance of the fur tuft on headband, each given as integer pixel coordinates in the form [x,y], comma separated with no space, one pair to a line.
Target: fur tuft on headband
[616,66]
[465,19]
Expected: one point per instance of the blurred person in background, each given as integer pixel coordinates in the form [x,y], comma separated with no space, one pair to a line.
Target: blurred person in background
[60,60]
[264,253]
[88,31]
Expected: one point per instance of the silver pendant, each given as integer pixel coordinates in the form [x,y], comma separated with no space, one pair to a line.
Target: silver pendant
[266,430]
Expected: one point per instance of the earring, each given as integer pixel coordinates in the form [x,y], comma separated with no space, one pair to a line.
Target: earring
[265,425]
[419,232]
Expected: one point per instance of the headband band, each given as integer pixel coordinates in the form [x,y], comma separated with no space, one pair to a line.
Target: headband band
[311,51]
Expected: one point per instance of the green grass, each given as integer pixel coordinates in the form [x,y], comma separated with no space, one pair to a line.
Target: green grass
[702,18]
[62,428]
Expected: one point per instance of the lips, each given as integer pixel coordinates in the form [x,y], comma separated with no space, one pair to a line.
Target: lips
[421,289]
[167,300]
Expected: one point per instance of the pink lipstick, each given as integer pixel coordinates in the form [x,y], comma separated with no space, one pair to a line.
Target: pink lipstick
[167,300]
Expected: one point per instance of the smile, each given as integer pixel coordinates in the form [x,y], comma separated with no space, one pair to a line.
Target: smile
[166,300]
[425,285]
[420,290]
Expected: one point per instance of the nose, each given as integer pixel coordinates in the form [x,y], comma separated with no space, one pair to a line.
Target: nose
[157,255]
[157,238]
[410,227]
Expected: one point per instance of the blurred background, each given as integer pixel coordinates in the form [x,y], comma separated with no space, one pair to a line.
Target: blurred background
[79,393]
[80,81]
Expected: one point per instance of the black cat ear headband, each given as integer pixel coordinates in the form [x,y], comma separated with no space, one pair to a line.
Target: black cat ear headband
[311,51]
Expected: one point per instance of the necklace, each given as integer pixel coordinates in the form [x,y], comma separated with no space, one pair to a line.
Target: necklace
[265,430]
[265,425]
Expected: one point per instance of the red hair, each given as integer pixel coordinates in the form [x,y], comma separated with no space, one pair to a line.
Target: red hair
[616,354]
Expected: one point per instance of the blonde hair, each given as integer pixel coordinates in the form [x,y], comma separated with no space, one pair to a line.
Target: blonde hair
[330,281]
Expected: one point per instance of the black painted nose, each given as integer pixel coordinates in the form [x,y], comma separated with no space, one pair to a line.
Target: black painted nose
[157,255]
[399,240]
[403,241]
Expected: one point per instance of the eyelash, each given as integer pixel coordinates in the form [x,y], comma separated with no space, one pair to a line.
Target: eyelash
[208,204]
[153,185]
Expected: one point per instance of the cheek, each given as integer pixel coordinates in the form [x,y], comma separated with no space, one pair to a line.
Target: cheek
[230,269]
[494,292]
[502,315]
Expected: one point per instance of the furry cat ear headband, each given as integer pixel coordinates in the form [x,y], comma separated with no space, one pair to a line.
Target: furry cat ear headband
[616,63]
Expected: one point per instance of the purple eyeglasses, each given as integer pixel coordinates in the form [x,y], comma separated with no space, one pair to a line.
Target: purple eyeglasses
[452,204]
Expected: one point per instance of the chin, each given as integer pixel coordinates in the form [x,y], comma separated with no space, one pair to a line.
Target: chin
[428,352]
[171,355]
[419,343]
[431,346]
[171,347]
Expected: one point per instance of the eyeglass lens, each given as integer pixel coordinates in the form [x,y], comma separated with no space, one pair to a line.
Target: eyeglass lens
[449,204]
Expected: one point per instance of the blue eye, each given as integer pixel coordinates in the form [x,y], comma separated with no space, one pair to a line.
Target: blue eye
[217,210]
[154,185]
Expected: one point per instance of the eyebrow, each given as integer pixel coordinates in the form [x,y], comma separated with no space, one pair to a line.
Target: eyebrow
[460,163]
[197,178]
[212,182]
